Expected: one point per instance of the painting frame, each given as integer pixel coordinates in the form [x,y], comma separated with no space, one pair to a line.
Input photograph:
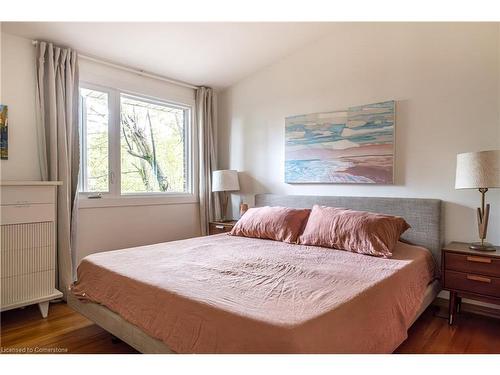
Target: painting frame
[355,145]
[4,132]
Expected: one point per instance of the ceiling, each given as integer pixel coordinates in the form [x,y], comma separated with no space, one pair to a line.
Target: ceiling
[212,54]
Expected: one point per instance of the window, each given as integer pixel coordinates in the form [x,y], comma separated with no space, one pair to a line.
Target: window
[94,140]
[153,151]
[133,145]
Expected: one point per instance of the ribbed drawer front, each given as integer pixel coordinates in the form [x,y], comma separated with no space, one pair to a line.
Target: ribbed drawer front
[27,213]
[27,261]
[24,236]
[26,287]
[483,265]
[12,195]
[28,243]
[20,262]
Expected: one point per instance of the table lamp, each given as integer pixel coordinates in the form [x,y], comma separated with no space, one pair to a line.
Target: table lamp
[225,181]
[479,170]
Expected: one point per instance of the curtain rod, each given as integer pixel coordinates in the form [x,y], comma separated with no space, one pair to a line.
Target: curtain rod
[131,70]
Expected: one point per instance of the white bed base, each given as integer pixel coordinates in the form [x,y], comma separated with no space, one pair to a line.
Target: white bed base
[142,342]
[118,327]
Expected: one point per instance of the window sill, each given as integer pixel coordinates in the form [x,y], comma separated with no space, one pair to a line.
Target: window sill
[124,201]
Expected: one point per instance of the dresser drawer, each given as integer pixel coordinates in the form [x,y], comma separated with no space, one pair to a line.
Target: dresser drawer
[26,287]
[27,213]
[12,195]
[25,261]
[474,283]
[16,237]
[473,264]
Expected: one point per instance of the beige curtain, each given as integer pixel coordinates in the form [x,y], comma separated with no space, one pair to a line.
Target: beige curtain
[206,124]
[59,151]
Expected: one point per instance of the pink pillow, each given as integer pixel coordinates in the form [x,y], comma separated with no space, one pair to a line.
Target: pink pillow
[273,223]
[356,231]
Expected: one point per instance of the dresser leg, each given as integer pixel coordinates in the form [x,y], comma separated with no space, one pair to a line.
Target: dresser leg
[451,307]
[44,308]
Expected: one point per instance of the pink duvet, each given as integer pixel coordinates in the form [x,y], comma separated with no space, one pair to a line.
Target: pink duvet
[227,294]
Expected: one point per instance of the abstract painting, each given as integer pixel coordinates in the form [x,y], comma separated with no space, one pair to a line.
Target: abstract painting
[355,145]
[4,133]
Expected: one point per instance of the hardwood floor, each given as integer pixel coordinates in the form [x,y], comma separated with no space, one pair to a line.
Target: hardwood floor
[66,331]
[471,333]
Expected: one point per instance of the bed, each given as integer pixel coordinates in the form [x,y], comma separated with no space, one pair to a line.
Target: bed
[226,294]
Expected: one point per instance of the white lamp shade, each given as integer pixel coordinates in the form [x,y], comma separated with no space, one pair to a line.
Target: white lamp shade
[225,180]
[478,170]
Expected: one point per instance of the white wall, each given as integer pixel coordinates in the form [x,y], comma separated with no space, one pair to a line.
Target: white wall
[112,228]
[104,228]
[445,78]
[18,92]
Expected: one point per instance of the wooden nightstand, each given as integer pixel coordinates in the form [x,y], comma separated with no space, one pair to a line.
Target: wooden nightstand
[471,274]
[216,227]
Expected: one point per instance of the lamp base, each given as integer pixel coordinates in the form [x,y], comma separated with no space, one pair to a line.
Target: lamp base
[485,246]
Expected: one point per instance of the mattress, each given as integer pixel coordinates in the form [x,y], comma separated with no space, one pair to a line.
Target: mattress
[226,294]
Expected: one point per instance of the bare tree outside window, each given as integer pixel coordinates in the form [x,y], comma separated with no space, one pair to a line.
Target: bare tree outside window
[152,154]
[152,143]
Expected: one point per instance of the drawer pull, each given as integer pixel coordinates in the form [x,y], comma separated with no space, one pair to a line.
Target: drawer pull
[478,278]
[219,226]
[479,259]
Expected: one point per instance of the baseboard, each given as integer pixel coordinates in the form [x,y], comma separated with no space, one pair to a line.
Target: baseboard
[470,308]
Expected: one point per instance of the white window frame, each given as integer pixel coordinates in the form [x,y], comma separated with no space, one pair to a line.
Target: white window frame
[114,197]
[83,143]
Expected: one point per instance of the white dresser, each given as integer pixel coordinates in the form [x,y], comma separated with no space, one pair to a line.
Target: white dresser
[28,244]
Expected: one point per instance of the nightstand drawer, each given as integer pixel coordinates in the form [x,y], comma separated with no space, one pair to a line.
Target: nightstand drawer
[220,228]
[473,264]
[474,283]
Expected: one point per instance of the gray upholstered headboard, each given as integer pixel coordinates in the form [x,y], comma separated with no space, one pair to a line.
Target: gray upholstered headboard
[424,215]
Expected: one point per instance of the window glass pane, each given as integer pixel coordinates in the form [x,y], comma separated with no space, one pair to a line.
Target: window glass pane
[153,154]
[95,152]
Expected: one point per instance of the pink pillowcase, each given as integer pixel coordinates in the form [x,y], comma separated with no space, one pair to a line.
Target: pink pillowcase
[356,231]
[272,223]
